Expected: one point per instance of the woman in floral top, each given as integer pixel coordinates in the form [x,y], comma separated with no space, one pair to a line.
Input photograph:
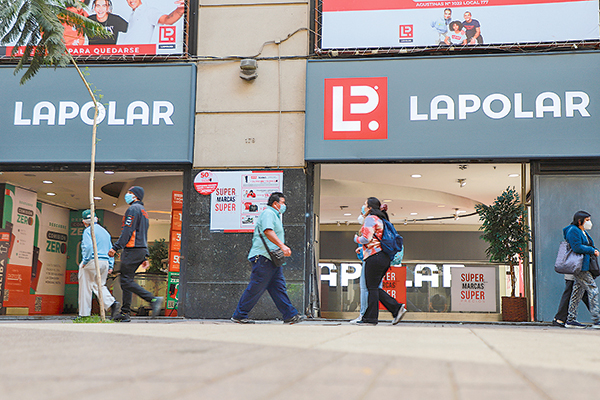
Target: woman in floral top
[377,262]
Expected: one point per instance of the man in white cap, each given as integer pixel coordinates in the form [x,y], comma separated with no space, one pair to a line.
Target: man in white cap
[87,268]
[134,242]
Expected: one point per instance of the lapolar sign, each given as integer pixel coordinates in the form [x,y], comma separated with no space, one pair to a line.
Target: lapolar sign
[240,197]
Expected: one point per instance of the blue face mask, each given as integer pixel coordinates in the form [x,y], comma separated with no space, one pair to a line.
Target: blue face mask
[282,209]
[362,210]
[128,198]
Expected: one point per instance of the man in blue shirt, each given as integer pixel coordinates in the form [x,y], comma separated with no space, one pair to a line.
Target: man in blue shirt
[87,268]
[265,275]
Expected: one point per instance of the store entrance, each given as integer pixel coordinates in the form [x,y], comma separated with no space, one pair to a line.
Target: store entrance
[41,214]
[433,207]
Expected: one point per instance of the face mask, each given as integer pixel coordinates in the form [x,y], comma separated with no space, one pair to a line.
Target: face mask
[282,208]
[362,210]
[587,225]
[361,219]
[128,198]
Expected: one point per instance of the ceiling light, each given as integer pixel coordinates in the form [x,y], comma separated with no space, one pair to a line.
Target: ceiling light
[513,175]
[387,201]
[461,182]
[441,206]
[413,213]
[51,194]
[431,216]
[47,182]
[415,176]
[347,214]
[97,198]
[109,172]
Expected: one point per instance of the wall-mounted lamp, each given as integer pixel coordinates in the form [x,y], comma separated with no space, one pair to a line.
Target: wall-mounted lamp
[461,182]
[248,68]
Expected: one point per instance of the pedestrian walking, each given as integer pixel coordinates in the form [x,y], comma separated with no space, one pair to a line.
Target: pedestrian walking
[134,242]
[87,268]
[265,274]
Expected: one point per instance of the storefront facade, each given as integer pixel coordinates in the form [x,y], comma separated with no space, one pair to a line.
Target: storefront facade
[528,109]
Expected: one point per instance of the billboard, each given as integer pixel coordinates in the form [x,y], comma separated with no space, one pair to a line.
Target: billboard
[414,23]
[151,27]
[146,115]
[501,107]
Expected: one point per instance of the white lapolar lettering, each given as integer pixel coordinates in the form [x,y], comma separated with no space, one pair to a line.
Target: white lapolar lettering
[339,125]
[67,110]
[554,108]
[571,107]
[19,120]
[446,275]
[519,113]
[84,114]
[350,271]
[372,99]
[448,111]
[50,117]
[132,116]
[487,106]
[332,276]
[157,114]
[112,114]
[463,108]
[414,111]
[420,277]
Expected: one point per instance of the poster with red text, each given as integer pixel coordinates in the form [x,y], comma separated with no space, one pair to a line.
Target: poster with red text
[240,198]
[474,289]
[352,24]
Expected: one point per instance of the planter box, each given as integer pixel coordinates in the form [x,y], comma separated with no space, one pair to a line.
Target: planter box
[514,309]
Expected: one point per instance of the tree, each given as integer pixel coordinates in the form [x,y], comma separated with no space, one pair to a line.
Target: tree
[506,230]
[36,30]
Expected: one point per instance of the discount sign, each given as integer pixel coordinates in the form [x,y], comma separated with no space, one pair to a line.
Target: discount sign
[205,182]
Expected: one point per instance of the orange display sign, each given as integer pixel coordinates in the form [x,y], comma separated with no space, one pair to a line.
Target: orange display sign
[176,200]
[176,220]
[394,283]
[175,242]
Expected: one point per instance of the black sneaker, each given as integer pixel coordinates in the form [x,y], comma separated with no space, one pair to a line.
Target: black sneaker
[114,310]
[556,322]
[295,319]
[122,318]
[242,320]
[156,304]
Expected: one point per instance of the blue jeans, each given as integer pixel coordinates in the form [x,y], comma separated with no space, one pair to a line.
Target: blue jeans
[265,276]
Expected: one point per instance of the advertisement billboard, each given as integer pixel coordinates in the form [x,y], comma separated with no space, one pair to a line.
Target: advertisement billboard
[415,23]
[151,27]
[503,107]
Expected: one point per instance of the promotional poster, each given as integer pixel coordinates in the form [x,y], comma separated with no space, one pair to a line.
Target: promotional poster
[415,23]
[151,27]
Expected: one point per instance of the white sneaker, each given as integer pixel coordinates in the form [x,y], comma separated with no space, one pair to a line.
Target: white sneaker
[400,315]
[356,320]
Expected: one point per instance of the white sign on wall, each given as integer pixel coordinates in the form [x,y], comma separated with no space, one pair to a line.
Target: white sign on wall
[240,197]
[53,238]
[473,289]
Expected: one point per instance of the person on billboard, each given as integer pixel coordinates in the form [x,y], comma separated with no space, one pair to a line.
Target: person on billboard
[377,263]
[456,34]
[265,275]
[143,20]
[71,36]
[111,22]
[87,267]
[134,242]
[441,24]
[472,29]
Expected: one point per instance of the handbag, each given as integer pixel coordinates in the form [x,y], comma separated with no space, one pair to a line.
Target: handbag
[567,261]
[594,267]
[277,256]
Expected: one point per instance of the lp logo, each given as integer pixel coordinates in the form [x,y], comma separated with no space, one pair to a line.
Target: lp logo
[406,31]
[166,34]
[355,108]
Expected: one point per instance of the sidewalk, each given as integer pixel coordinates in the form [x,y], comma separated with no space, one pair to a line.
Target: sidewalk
[215,359]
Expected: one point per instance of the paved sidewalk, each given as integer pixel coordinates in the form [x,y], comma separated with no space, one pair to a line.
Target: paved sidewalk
[205,359]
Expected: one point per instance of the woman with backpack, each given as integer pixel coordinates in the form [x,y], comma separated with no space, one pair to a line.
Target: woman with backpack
[377,262]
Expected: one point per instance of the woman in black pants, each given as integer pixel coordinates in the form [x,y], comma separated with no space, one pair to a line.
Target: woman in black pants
[377,263]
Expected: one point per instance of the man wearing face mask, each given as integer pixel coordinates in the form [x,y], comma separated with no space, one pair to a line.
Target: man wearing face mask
[134,242]
[265,275]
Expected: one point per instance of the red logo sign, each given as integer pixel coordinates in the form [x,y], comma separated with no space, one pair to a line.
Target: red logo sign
[205,182]
[355,108]
[166,34]
[406,31]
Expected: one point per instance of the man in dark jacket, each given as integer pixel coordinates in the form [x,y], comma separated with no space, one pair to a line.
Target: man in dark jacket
[134,242]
